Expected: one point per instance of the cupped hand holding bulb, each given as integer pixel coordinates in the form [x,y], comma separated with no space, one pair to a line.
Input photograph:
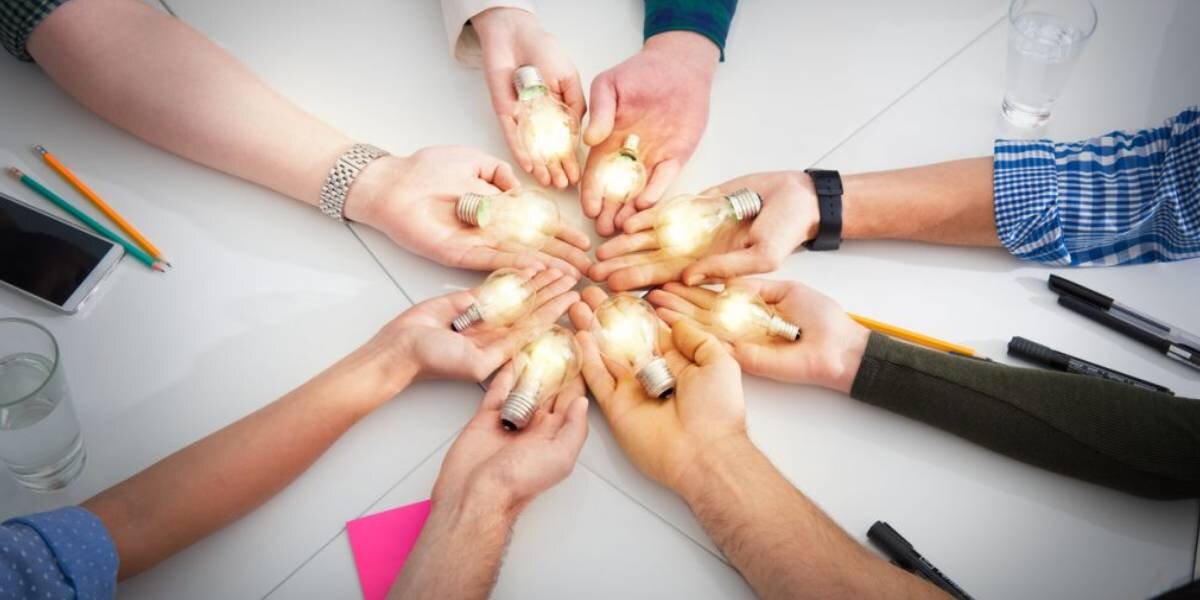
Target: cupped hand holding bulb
[827,354]
[660,94]
[412,199]
[789,217]
[425,346]
[663,437]
[511,38]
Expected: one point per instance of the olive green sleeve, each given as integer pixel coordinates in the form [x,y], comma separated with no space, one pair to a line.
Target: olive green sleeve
[1141,442]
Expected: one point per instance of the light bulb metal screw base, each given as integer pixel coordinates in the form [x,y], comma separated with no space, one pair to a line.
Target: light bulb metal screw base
[746,203]
[630,146]
[527,76]
[657,379]
[519,406]
[467,207]
[468,318]
[783,328]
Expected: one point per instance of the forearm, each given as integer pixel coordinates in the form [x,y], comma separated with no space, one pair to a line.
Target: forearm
[216,480]
[1113,434]
[458,553]
[781,542]
[162,81]
[945,203]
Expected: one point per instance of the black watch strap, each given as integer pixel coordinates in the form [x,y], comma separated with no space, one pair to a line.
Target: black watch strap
[829,202]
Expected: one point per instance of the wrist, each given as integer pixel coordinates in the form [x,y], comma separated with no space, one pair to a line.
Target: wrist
[476,508]
[710,462]
[848,359]
[494,23]
[810,223]
[686,48]
[370,188]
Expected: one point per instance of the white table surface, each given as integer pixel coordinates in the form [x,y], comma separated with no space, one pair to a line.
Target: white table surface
[849,85]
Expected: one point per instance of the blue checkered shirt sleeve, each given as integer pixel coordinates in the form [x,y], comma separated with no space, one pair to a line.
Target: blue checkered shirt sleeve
[1124,197]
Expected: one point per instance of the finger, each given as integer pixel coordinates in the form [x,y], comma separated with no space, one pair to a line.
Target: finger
[604,111]
[557,174]
[560,264]
[498,390]
[669,301]
[553,308]
[772,291]
[569,391]
[495,172]
[641,220]
[606,220]
[664,174]
[455,301]
[543,278]
[595,372]
[646,275]
[628,209]
[508,126]
[730,264]
[593,296]
[695,295]
[555,289]
[572,94]
[574,429]
[483,258]
[591,191]
[578,258]
[581,316]
[574,236]
[669,316]
[542,173]
[570,165]
[698,345]
[603,269]
[627,244]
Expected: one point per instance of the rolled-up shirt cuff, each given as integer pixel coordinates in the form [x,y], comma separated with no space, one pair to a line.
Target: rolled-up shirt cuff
[80,544]
[710,19]
[456,17]
[1025,194]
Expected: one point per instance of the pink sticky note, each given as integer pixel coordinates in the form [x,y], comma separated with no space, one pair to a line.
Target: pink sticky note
[380,543]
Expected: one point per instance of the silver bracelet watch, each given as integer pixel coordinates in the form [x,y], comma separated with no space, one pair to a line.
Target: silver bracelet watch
[342,176]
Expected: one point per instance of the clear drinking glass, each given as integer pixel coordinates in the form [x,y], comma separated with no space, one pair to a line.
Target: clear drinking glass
[1045,39]
[40,442]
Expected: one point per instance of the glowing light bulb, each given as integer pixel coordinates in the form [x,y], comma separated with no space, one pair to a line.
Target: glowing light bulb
[504,298]
[626,329]
[543,365]
[524,217]
[622,173]
[742,313]
[546,127]
[687,224]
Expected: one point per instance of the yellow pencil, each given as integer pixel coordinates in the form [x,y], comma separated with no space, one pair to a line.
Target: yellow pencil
[912,336]
[87,192]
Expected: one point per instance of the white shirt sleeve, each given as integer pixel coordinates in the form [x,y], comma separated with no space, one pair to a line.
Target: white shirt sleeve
[464,42]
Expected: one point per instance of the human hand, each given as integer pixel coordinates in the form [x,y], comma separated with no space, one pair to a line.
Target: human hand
[510,38]
[412,200]
[661,94]
[662,437]
[827,354]
[789,217]
[507,468]
[422,344]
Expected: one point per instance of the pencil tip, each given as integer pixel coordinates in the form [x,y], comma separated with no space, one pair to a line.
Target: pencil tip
[40,149]
[161,266]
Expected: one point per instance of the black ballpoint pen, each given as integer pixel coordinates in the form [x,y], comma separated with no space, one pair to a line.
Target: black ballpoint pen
[1061,361]
[906,557]
[1163,337]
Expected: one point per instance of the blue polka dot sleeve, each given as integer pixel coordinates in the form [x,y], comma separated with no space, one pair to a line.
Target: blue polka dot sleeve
[64,553]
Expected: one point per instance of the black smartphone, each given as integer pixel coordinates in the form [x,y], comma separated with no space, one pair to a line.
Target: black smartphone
[50,260]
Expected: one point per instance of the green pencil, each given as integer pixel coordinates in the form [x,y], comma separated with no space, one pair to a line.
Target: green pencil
[133,251]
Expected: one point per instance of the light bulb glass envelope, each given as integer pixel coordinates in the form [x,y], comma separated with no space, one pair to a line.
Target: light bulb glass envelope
[686,225]
[547,129]
[741,313]
[519,218]
[626,330]
[543,365]
[622,174]
[505,297]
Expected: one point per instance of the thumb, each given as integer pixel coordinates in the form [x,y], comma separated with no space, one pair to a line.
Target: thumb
[574,428]
[603,111]
[730,264]
[698,345]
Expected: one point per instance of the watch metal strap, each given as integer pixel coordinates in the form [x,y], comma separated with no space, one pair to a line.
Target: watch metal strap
[342,176]
[829,202]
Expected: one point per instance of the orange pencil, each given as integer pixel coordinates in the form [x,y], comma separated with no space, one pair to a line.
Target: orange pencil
[87,192]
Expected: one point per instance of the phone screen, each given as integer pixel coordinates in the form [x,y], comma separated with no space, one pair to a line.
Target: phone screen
[44,256]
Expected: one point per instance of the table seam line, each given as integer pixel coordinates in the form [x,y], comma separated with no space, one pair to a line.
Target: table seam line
[168,8]
[361,513]
[908,91]
[379,263]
